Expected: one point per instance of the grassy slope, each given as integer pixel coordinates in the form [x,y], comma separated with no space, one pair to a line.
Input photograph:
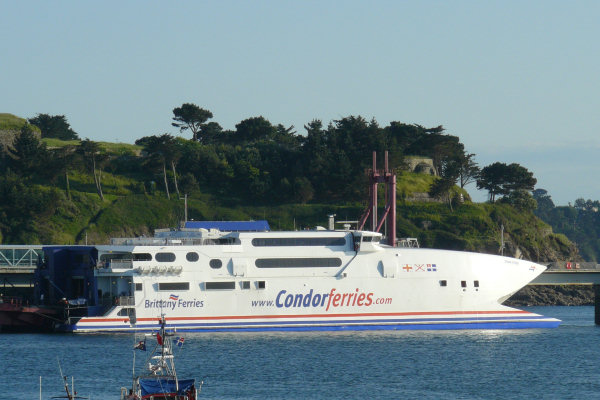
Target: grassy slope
[473,227]
[127,212]
[11,122]
[112,148]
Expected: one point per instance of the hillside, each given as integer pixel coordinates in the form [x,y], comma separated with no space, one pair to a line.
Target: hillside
[67,192]
[57,220]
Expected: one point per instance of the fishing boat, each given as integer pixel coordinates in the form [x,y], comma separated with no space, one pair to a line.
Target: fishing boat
[160,381]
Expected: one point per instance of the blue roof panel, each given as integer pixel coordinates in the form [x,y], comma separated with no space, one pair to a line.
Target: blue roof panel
[230,226]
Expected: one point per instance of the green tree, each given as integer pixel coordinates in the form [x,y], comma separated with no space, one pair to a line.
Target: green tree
[94,159]
[501,179]
[442,189]
[303,190]
[54,126]
[163,149]
[28,156]
[66,158]
[544,203]
[24,208]
[521,200]
[492,179]
[468,170]
[519,178]
[212,132]
[255,129]
[190,116]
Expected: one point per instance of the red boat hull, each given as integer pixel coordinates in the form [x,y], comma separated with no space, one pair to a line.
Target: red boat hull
[15,317]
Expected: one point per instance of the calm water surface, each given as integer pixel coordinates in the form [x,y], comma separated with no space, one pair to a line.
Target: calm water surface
[562,363]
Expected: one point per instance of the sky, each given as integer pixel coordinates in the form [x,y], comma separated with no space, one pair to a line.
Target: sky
[517,81]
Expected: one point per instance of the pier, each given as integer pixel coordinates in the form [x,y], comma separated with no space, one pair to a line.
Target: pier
[17,265]
[571,273]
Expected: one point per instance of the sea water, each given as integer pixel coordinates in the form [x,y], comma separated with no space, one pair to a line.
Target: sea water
[561,363]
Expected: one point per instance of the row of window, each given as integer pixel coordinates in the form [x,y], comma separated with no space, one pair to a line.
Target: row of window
[299,241]
[183,286]
[463,284]
[173,286]
[165,257]
[324,262]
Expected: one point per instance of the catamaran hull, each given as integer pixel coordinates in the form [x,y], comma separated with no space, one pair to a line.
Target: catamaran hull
[523,320]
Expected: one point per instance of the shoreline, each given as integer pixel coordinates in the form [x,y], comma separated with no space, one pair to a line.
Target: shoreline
[552,295]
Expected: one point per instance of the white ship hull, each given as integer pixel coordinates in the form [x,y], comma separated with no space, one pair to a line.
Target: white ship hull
[257,283]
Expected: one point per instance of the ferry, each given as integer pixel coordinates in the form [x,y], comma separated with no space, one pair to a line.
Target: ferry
[262,280]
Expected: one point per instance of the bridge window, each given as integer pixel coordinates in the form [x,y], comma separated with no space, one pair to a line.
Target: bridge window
[142,257]
[370,238]
[299,241]
[117,257]
[168,286]
[165,257]
[224,241]
[298,262]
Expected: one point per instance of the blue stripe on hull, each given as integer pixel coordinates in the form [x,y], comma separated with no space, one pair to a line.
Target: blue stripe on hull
[327,326]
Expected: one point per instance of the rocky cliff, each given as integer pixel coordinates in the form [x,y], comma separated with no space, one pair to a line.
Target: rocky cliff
[553,295]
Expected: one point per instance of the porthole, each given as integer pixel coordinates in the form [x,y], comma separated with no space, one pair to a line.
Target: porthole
[165,257]
[192,257]
[215,263]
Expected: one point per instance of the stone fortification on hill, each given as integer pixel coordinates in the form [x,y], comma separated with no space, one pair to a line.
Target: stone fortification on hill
[6,138]
[423,165]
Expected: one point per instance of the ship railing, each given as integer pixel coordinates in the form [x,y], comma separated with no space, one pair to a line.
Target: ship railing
[407,242]
[180,241]
[156,241]
[120,264]
[126,301]
[14,300]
